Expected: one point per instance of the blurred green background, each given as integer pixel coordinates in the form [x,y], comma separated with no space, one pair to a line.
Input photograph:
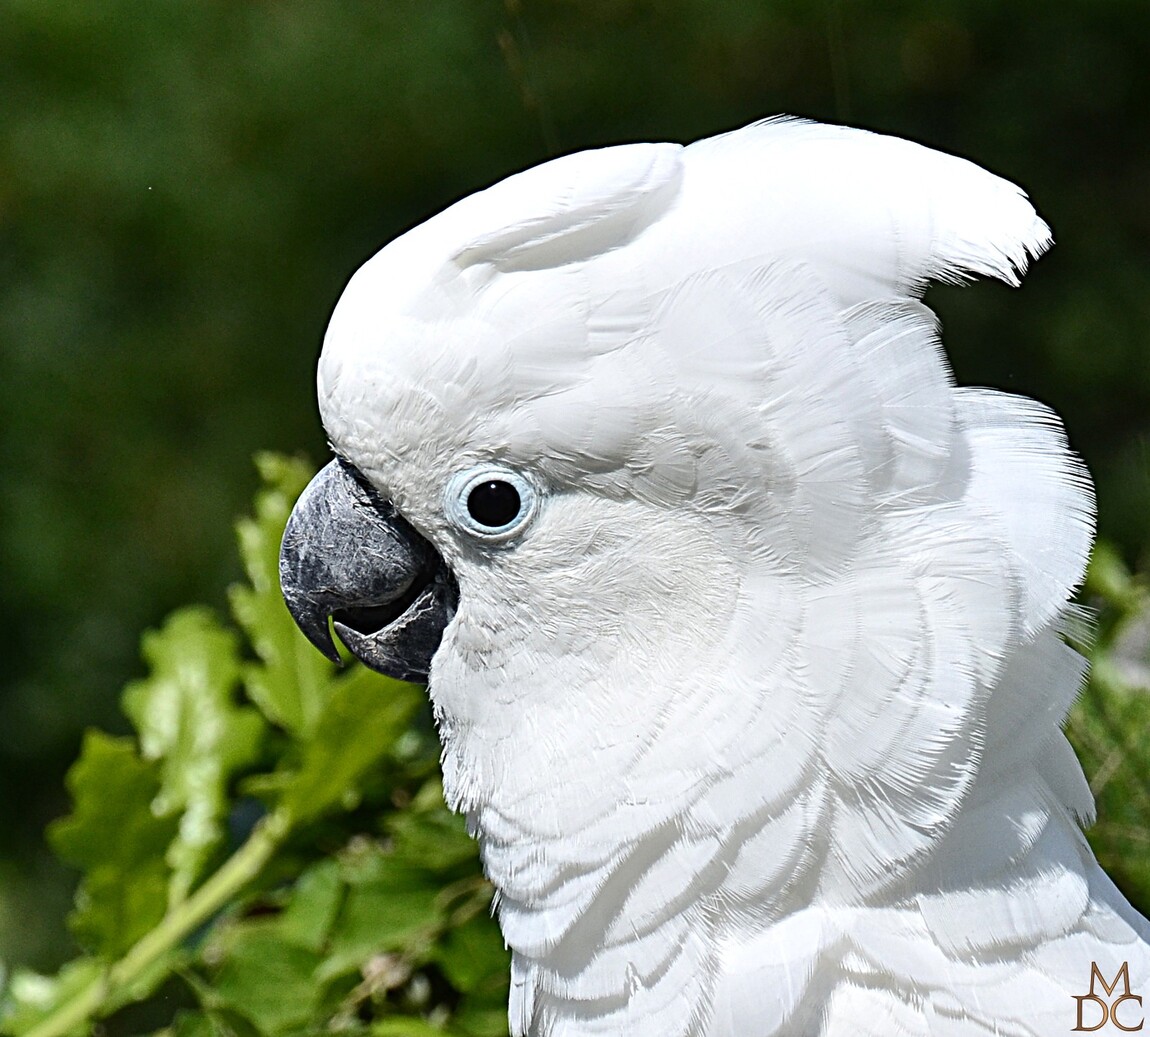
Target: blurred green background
[185,186]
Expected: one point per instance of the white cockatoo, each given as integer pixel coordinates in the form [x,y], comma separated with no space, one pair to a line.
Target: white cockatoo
[742,623]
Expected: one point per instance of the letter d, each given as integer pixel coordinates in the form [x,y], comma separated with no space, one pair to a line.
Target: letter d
[1101,1004]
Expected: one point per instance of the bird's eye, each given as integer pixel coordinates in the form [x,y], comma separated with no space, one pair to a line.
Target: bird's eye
[494,503]
[490,502]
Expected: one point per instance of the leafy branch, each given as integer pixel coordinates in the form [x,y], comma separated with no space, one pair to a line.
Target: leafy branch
[270,852]
[1110,723]
[106,986]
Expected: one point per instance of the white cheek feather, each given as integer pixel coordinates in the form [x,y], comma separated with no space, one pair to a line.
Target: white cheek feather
[758,720]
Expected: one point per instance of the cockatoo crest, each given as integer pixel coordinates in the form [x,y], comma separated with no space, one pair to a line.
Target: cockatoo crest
[754,703]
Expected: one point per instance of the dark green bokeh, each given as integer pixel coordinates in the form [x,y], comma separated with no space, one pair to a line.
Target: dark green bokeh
[184,187]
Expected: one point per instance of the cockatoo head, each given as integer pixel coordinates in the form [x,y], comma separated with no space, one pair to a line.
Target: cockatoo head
[648,460]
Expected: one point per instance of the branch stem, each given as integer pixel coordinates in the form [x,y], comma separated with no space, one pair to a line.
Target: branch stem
[231,877]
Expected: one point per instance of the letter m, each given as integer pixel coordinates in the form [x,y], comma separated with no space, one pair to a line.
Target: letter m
[1122,974]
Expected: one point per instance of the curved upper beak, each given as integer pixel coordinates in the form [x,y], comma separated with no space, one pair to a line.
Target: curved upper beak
[348,554]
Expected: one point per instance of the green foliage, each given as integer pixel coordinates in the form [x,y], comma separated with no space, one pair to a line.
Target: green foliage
[273,841]
[118,842]
[1110,726]
[188,721]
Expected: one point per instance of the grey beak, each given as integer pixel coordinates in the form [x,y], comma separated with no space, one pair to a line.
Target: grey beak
[348,554]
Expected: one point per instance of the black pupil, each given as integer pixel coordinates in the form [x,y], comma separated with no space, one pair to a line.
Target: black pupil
[493,504]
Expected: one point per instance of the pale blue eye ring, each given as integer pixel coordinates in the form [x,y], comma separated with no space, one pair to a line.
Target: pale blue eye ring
[490,502]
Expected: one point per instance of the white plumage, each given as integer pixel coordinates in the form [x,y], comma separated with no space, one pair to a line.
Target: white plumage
[757,718]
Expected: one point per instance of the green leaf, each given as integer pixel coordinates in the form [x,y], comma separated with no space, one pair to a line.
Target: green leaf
[483,1011]
[389,906]
[406,1026]
[292,681]
[188,719]
[429,834]
[29,997]
[116,839]
[266,979]
[398,911]
[308,918]
[474,959]
[362,717]
[219,1023]
[481,1021]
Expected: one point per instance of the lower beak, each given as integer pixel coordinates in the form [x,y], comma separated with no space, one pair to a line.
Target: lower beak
[349,555]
